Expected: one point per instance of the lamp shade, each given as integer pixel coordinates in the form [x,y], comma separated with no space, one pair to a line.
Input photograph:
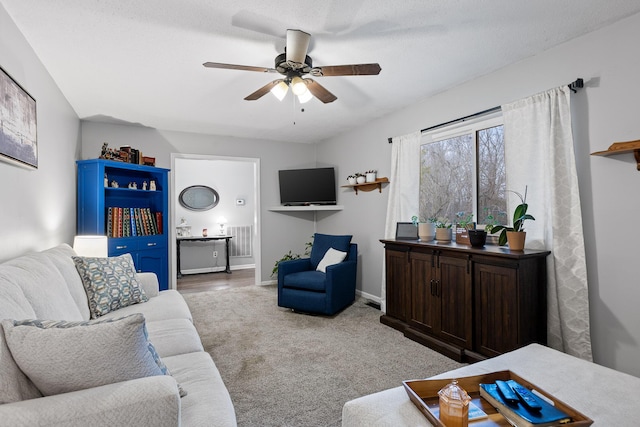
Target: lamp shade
[298,86]
[305,97]
[280,90]
[91,246]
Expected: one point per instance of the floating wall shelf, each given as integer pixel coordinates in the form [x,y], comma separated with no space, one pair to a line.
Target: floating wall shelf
[306,208]
[622,147]
[369,186]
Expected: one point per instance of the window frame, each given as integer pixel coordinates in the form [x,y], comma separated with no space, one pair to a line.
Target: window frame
[464,127]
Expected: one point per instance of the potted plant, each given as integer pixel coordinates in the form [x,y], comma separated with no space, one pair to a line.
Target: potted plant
[360,178]
[426,229]
[370,175]
[443,230]
[291,256]
[464,223]
[515,235]
[351,179]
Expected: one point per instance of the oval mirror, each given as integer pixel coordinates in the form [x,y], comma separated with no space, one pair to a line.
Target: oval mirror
[199,198]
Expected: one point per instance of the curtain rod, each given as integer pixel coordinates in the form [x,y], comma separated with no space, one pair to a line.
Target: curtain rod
[574,86]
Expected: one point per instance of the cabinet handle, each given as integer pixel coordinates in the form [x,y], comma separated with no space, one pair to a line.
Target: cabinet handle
[121,247]
[151,244]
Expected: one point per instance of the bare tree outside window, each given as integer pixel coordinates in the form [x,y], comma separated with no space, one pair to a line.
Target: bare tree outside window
[447,170]
[491,176]
[446,177]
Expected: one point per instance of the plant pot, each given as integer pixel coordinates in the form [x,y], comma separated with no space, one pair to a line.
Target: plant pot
[516,240]
[351,181]
[426,231]
[360,179]
[477,238]
[443,234]
[370,177]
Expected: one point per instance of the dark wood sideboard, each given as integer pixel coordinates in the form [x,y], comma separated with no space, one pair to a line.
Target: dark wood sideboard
[469,304]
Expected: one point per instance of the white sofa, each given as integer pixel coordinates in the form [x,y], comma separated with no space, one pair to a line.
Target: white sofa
[46,285]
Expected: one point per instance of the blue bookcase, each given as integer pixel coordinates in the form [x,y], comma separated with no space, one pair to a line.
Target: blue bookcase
[147,243]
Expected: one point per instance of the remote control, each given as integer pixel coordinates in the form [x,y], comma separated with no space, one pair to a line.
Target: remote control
[507,392]
[527,397]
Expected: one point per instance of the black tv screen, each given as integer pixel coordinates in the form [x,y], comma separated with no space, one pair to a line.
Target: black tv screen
[307,186]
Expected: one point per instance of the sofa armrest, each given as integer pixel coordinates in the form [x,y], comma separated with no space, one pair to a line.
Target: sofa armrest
[150,401]
[149,282]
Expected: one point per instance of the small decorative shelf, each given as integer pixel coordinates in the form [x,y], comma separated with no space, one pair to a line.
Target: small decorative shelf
[306,208]
[369,186]
[622,147]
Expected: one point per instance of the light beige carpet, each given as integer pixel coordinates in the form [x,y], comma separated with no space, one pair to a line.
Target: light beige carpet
[289,369]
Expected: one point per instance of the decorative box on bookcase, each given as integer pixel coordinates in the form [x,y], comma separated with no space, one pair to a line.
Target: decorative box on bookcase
[132,215]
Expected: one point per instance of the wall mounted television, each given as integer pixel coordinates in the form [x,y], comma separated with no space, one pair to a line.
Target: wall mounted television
[303,187]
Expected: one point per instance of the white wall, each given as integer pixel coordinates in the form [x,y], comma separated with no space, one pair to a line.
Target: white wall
[606,111]
[279,232]
[38,205]
[231,180]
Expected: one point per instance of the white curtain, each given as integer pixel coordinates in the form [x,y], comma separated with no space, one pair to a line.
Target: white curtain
[539,154]
[404,189]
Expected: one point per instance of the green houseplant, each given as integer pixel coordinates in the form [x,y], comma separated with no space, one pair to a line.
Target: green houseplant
[443,229]
[290,256]
[520,215]
[426,228]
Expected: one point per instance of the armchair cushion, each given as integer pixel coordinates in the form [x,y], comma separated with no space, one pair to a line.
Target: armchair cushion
[112,351]
[323,242]
[307,280]
[331,257]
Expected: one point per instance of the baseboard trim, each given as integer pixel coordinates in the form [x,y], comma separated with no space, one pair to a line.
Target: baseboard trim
[216,269]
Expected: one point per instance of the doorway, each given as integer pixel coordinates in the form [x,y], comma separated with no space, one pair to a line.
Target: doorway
[237,182]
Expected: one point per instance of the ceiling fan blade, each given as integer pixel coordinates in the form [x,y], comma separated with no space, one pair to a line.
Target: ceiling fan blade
[297,46]
[238,67]
[262,91]
[320,92]
[349,70]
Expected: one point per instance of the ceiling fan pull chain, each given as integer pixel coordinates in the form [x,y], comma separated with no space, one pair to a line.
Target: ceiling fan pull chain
[293,112]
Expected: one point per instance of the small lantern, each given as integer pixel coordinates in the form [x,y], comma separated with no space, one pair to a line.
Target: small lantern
[454,405]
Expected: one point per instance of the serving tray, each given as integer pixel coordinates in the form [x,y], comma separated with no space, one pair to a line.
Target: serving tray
[424,394]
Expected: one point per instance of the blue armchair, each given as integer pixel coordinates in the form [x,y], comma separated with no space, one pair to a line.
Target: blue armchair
[303,288]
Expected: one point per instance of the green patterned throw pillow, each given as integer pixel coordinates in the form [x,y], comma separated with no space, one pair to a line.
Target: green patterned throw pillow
[110,283]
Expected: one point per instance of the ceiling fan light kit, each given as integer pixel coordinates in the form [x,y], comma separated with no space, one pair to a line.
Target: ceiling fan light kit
[293,64]
[280,90]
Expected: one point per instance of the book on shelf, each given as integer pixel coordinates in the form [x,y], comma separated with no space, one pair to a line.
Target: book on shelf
[159,221]
[152,222]
[126,223]
[518,414]
[110,222]
[132,221]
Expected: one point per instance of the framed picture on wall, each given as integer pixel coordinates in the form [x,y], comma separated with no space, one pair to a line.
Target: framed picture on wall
[18,129]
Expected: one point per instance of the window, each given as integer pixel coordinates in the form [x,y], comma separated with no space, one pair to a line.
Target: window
[462,172]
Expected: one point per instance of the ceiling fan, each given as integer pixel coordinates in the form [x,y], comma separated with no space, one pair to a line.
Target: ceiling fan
[293,65]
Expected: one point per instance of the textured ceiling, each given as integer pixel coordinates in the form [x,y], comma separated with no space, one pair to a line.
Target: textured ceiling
[140,61]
